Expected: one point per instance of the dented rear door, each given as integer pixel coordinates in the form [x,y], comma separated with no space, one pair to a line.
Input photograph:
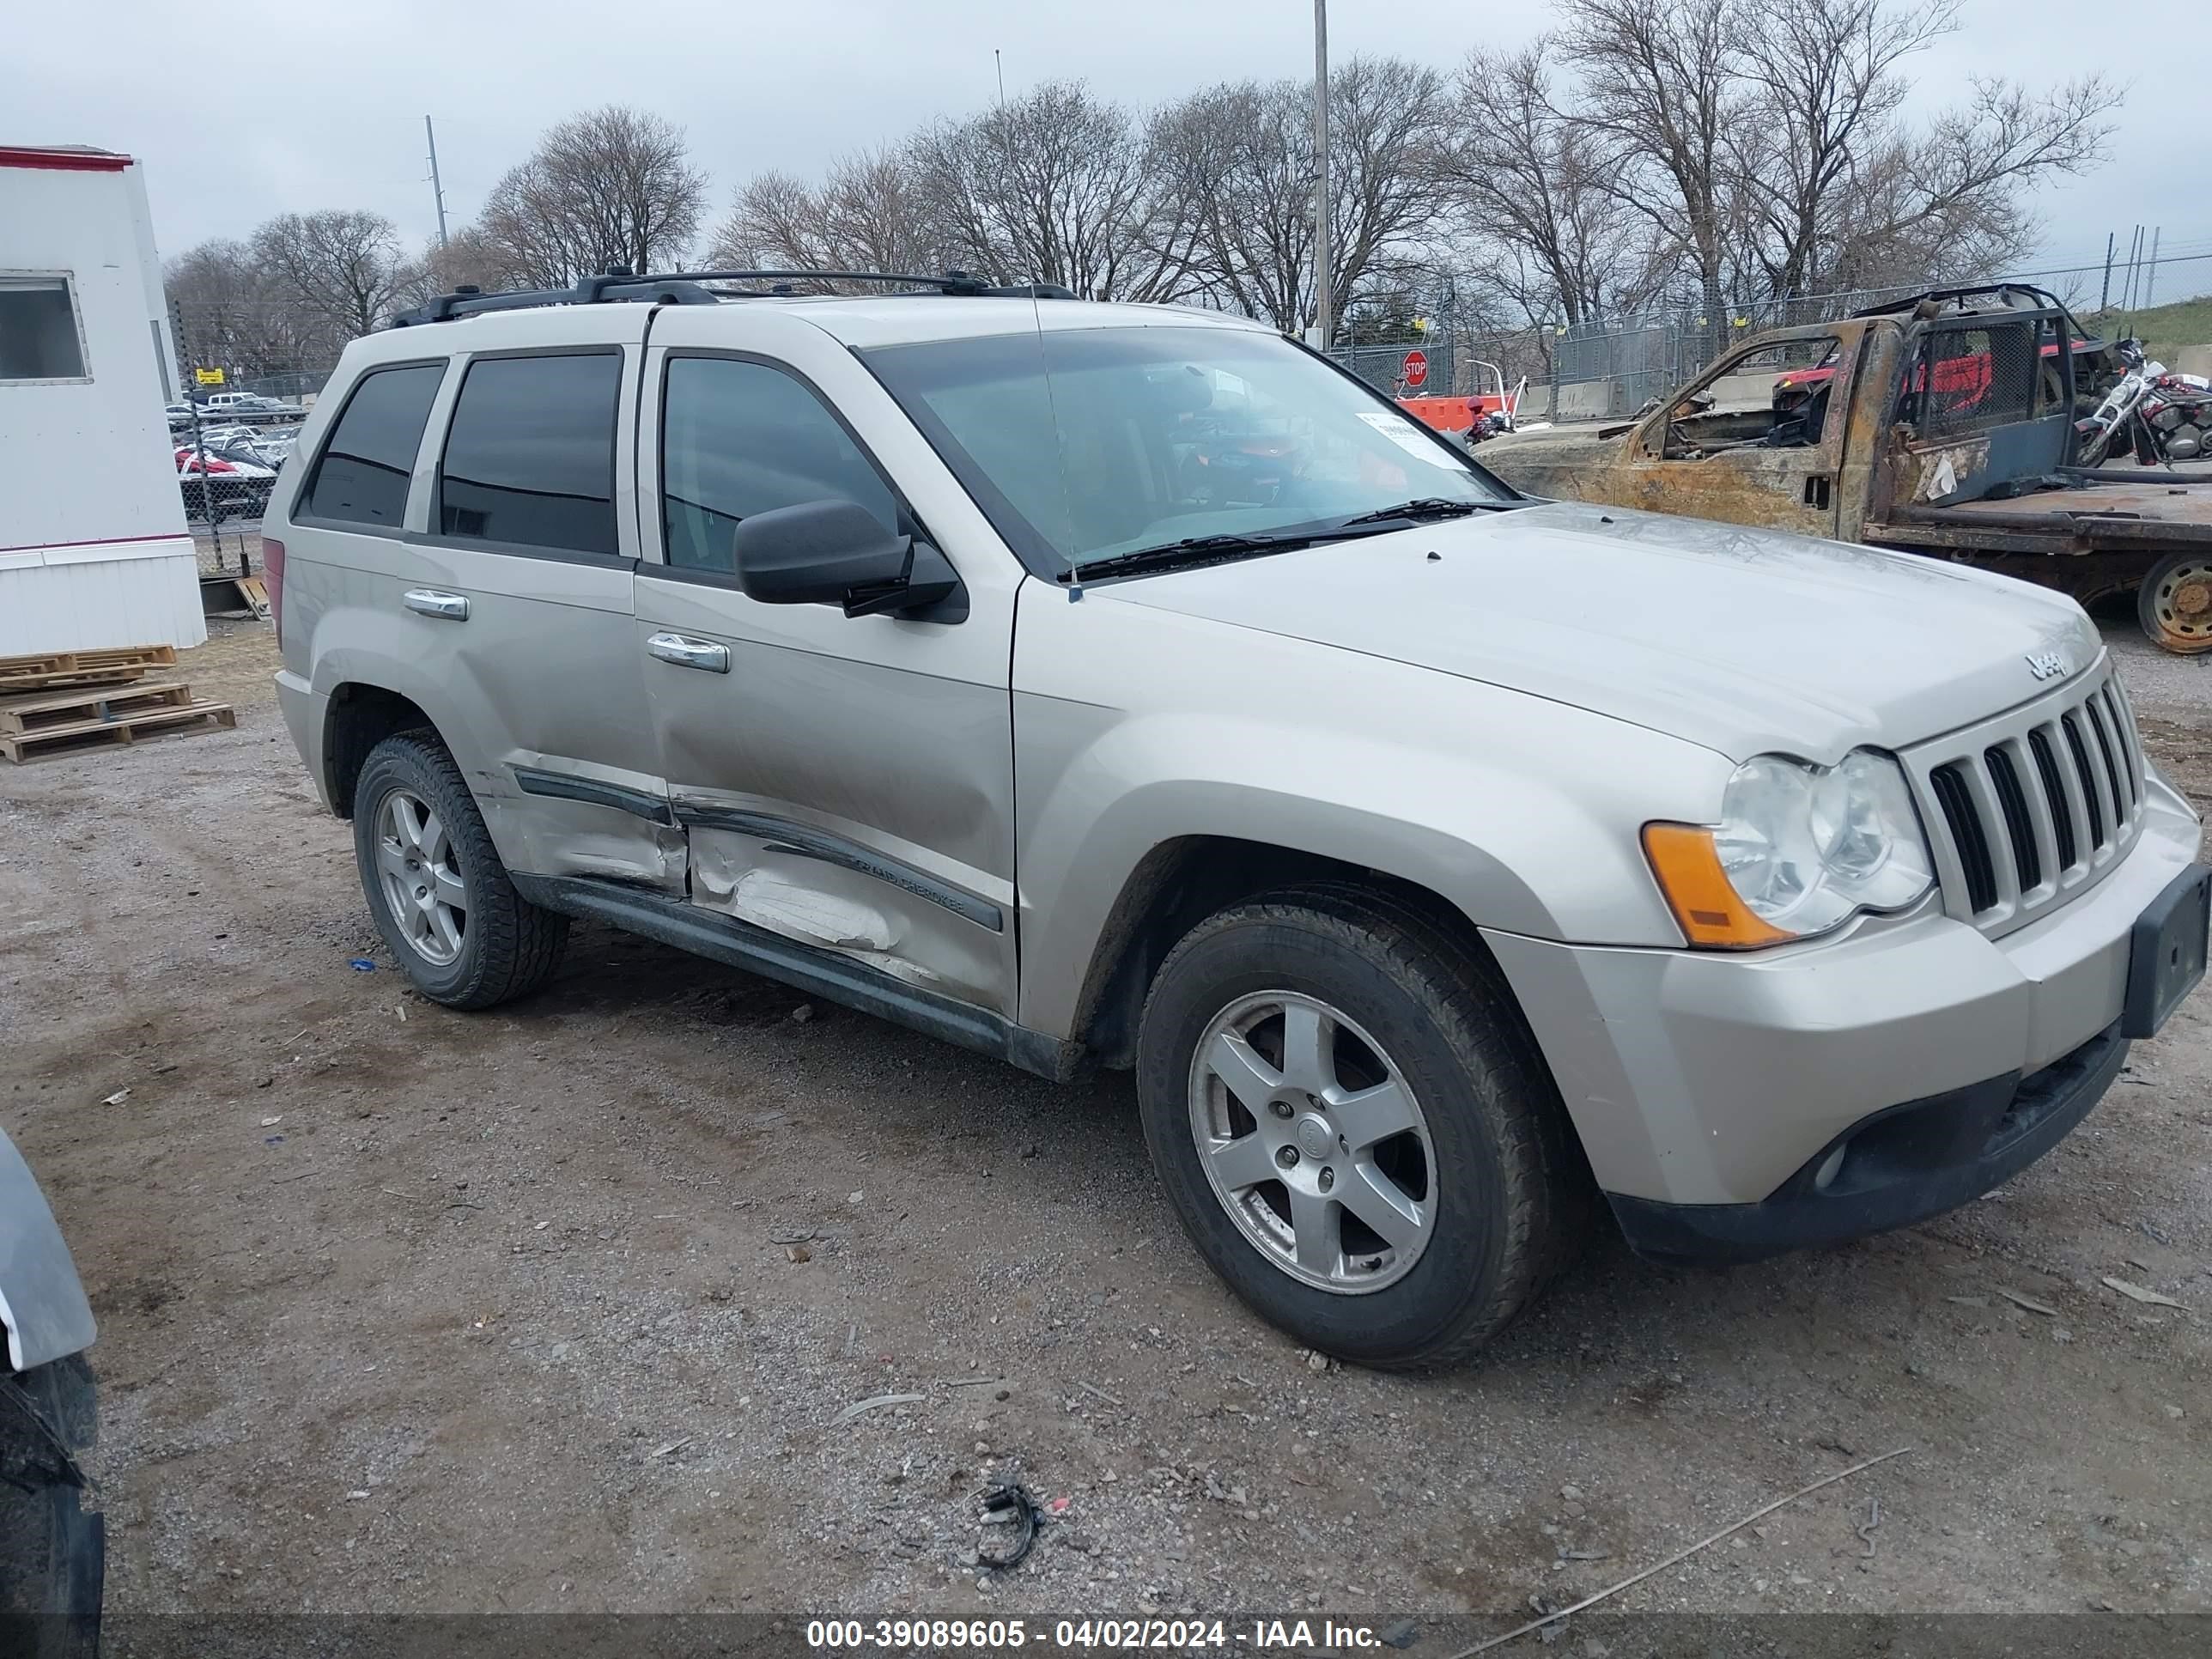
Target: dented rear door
[844,782]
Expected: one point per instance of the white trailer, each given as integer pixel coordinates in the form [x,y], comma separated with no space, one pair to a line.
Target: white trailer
[93,550]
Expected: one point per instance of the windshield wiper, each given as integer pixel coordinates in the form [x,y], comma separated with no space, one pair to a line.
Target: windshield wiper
[1194,549]
[1427,507]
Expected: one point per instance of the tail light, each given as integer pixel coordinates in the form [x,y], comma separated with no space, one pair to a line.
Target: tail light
[272,578]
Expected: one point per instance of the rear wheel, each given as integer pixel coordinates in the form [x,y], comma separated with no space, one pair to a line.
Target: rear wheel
[436,886]
[1355,1127]
[2175,603]
[52,1552]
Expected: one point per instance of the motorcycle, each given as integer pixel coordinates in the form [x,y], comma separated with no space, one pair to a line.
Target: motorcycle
[2176,416]
[2161,415]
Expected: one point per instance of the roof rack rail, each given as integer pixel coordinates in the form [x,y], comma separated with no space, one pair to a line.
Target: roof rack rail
[620,285]
[2043,299]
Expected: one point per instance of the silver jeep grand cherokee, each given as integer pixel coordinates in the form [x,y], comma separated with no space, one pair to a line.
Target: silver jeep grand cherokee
[1115,684]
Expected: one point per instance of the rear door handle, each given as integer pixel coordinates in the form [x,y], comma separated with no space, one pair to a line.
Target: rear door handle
[429,602]
[689,653]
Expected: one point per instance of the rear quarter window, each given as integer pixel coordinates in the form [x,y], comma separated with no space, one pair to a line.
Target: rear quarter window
[362,475]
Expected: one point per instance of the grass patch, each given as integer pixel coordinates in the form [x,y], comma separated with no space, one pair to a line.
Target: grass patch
[2162,329]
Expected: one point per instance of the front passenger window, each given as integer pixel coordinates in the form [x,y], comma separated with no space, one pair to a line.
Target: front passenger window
[741,438]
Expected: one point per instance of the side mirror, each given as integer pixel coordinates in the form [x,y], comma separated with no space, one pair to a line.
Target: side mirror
[836,552]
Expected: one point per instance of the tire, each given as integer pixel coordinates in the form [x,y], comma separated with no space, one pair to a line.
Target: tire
[53,1552]
[493,945]
[2174,604]
[1494,1165]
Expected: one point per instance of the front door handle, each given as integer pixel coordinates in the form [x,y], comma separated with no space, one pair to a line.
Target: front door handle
[429,602]
[689,653]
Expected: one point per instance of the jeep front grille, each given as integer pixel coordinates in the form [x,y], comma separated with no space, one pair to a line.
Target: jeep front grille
[2025,811]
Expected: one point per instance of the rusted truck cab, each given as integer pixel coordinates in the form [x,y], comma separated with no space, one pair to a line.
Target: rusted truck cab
[1941,425]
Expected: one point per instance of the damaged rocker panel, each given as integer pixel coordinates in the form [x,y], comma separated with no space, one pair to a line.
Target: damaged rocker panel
[825,973]
[806,841]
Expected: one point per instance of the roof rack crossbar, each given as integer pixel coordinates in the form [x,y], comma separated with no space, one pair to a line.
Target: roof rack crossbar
[619,285]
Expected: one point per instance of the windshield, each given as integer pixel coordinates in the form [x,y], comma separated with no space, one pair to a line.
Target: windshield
[1085,445]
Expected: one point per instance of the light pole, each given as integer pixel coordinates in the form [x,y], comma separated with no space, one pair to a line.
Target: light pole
[1323,322]
[437,184]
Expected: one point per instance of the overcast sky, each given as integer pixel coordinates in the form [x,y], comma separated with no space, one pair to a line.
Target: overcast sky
[242,114]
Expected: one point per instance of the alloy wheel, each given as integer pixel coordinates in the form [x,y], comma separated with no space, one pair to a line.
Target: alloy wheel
[420,871]
[1312,1142]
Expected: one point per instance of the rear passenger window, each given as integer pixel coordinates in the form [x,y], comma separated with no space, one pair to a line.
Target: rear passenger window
[362,475]
[530,459]
[740,438]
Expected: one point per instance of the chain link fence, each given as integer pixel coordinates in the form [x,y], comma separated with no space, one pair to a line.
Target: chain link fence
[250,371]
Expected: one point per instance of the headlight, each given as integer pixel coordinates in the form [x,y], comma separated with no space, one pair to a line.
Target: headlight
[1798,850]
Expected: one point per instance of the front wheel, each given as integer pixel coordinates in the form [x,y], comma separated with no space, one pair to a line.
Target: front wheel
[2174,604]
[436,886]
[1355,1127]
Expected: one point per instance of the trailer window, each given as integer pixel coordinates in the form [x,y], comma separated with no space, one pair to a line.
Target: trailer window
[39,339]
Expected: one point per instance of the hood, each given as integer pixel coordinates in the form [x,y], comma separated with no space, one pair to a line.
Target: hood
[1745,640]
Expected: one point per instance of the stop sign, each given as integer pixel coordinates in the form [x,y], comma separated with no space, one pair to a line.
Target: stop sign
[1417,367]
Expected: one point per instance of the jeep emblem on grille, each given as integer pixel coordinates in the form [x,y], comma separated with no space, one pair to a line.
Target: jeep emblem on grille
[2046,665]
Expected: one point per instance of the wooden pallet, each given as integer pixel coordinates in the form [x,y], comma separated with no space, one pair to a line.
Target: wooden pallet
[30,712]
[19,746]
[117,663]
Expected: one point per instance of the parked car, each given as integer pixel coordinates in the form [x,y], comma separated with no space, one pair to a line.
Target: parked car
[257,446]
[179,415]
[52,1551]
[234,481]
[883,647]
[248,406]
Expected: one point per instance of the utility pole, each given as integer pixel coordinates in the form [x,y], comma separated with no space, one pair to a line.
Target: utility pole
[437,188]
[2150,277]
[2104,299]
[1323,321]
[999,63]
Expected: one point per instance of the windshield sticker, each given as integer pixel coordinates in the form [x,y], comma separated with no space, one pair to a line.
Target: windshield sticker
[1401,432]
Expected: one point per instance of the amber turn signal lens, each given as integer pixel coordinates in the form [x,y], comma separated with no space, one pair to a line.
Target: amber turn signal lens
[1688,868]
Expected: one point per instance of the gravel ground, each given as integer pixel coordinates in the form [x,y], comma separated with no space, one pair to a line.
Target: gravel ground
[407,1309]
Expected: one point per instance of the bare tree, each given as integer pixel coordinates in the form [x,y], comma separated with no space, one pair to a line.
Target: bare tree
[1529,181]
[611,187]
[1823,83]
[227,313]
[467,259]
[1054,186]
[1952,200]
[1661,88]
[343,266]
[1835,188]
[866,214]
[1240,157]
[1764,142]
[1243,157]
[1385,119]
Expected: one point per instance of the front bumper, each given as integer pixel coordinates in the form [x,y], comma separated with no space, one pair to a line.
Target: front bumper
[1894,1167]
[1701,1082]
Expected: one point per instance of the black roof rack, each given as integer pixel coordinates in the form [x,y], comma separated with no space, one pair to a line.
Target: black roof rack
[2004,292]
[688,287]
